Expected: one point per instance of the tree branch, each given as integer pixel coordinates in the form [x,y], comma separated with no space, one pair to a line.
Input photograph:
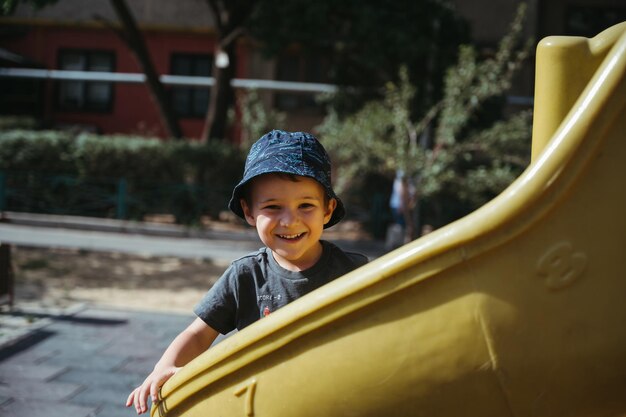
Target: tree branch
[135,42]
[119,31]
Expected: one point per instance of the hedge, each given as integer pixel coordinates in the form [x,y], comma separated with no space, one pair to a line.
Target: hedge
[186,179]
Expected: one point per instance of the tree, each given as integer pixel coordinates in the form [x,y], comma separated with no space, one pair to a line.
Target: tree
[256,119]
[231,18]
[133,38]
[230,24]
[470,157]
[365,42]
[361,57]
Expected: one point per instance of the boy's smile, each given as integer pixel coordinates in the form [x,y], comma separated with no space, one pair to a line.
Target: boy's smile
[289,213]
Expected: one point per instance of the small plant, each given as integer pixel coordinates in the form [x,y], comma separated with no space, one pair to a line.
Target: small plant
[256,118]
[34,264]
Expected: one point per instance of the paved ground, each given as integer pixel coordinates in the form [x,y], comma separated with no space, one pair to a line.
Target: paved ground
[143,238]
[83,364]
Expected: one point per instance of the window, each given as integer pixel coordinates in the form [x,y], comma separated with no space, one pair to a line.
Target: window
[93,96]
[296,67]
[190,101]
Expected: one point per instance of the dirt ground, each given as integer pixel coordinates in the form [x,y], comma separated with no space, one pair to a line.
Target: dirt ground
[62,278]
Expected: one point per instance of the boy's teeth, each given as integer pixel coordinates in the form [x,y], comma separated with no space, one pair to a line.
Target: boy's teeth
[290,236]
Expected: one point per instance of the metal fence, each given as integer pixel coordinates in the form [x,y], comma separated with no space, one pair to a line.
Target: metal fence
[37,192]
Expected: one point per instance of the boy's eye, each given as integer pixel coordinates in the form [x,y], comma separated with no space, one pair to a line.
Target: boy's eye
[307,205]
[271,207]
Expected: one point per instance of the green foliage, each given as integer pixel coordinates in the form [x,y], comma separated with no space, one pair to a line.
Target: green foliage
[457,154]
[17,122]
[187,180]
[46,151]
[471,82]
[133,158]
[364,43]
[213,171]
[256,118]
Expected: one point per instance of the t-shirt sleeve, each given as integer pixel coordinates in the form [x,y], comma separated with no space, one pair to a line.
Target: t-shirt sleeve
[218,307]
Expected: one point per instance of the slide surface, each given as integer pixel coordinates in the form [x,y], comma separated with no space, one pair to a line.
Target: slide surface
[518,309]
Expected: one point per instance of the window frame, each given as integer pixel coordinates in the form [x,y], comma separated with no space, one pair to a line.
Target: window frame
[191,92]
[87,106]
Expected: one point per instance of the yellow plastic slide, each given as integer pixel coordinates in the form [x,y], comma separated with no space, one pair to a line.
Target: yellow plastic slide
[518,309]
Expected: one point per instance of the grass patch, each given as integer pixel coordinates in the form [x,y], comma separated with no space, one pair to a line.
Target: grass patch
[34,264]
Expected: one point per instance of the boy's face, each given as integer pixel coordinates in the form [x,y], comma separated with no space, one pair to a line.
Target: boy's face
[289,217]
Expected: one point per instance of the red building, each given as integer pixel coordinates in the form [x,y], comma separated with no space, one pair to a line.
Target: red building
[70,38]
[71,35]
[114,107]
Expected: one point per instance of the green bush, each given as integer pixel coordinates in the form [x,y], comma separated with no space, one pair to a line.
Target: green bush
[133,158]
[44,151]
[96,175]
[214,170]
[17,122]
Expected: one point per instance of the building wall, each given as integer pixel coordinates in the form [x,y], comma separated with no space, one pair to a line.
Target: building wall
[186,27]
[133,110]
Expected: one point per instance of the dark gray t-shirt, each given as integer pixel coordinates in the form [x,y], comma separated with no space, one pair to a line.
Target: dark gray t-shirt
[256,285]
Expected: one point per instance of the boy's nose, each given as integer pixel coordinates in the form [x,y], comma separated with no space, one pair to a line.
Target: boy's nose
[289,217]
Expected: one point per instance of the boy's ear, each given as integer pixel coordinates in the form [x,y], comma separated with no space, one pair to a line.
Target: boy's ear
[247,213]
[330,209]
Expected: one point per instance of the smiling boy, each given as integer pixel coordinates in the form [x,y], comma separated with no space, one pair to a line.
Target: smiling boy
[289,214]
[286,194]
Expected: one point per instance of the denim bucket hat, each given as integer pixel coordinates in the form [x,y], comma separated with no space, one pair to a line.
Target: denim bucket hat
[296,153]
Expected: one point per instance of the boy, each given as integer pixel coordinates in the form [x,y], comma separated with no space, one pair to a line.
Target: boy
[286,195]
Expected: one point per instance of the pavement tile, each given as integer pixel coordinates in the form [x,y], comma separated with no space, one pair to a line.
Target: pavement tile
[66,345]
[24,389]
[84,364]
[85,360]
[133,349]
[78,328]
[117,410]
[26,351]
[99,397]
[20,408]
[139,366]
[99,379]
[29,371]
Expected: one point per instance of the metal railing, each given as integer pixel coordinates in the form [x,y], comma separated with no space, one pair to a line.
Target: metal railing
[119,198]
[177,80]
[193,81]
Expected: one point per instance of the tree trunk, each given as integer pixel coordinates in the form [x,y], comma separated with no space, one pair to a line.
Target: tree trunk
[134,40]
[222,96]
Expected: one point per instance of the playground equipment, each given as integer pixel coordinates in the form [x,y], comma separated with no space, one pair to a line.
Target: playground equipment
[515,310]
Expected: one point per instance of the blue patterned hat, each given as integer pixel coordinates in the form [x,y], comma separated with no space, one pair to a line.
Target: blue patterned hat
[297,153]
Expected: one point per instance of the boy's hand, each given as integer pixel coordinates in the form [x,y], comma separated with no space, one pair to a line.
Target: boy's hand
[190,343]
[151,385]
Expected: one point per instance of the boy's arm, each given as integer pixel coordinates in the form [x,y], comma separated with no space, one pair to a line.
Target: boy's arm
[190,343]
